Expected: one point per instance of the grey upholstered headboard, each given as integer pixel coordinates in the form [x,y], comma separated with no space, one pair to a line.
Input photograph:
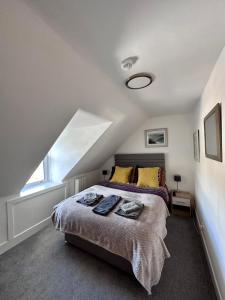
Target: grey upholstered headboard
[141,160]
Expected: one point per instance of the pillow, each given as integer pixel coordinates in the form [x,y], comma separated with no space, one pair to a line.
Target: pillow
[112,172]
[121,175]
[148,177]
[134,175]
[133,178]
[162,177]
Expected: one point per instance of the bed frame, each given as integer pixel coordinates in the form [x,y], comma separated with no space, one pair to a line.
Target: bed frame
[124,160]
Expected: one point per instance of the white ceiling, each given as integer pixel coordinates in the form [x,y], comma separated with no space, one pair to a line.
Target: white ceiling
[177,41]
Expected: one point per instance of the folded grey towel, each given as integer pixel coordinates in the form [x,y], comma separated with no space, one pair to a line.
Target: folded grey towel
[90,199]
[131,215]
[130,206]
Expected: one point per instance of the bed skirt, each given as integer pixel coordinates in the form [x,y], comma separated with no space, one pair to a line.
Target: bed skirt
[113,259]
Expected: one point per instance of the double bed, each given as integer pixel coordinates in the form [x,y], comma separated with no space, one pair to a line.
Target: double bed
[136,246]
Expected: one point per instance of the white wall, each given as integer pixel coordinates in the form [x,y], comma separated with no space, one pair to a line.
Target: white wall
[210,177]
[178,154]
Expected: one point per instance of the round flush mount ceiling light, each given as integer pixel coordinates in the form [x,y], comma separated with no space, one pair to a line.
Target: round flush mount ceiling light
[138,81]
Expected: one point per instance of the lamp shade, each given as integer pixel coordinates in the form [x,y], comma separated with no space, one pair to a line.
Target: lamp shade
[177,178]
[104,172]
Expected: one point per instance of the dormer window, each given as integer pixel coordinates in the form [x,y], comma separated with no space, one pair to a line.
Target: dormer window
[40,175]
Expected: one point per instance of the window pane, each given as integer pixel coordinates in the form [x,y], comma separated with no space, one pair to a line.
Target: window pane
[38,175]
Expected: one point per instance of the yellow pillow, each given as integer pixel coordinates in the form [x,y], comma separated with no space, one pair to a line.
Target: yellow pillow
[148,177]
[121,175]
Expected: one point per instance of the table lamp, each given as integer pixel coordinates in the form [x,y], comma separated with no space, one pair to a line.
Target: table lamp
[104,173]
[177,178]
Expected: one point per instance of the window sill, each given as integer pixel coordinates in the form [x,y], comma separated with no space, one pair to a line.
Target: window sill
[26,194]
[42,187]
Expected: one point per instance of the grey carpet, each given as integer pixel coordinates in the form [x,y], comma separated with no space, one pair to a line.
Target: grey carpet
[43,267]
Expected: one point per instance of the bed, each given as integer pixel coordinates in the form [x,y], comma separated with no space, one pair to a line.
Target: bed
[135,246]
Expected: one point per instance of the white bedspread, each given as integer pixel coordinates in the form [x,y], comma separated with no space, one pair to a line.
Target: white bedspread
[139,241]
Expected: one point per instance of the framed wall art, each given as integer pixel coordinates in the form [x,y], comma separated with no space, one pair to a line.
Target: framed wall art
[213,133]
[196,145]
[156,137]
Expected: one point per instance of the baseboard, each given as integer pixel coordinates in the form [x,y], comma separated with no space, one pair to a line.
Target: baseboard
[5,246]
[209,260]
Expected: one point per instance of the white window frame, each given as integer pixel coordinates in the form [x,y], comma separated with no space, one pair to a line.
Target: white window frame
[46,175]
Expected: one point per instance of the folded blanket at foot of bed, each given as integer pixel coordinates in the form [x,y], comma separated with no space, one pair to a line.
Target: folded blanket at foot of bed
[106,205]
[90,199]
[130,209]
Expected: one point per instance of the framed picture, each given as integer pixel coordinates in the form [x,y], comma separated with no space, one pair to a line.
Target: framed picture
[196,145]
[213,133]
[156,137]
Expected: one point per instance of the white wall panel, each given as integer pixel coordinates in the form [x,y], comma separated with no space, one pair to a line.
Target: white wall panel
[22,216]
[24,213]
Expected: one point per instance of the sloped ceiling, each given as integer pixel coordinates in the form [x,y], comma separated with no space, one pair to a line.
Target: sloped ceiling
[43,83]
[58,56]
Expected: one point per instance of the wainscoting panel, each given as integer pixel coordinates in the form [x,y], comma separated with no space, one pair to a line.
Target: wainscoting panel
[26,212]
[23,216]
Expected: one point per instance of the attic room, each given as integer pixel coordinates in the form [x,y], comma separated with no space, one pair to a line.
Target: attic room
[112,149]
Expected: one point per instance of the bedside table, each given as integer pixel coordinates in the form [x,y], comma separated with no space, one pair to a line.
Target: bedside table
[185,199]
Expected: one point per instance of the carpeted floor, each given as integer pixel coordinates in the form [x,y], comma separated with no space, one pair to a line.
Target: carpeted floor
[43,267]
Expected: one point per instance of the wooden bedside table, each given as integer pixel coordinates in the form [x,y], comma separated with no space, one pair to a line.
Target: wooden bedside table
[181,198]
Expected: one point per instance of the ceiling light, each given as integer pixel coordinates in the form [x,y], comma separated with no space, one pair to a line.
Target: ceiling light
[138,81]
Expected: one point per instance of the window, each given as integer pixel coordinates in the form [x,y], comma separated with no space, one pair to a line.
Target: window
[76,139]
[40,175]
